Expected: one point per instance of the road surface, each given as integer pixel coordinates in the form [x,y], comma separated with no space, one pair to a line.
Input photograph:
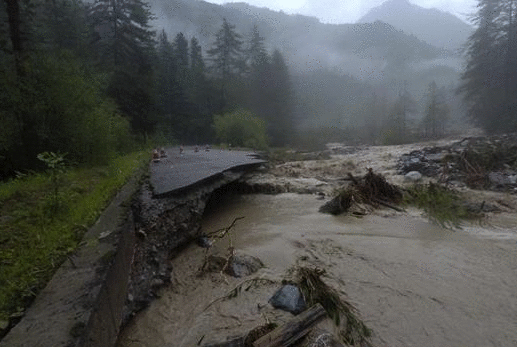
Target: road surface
[179,171]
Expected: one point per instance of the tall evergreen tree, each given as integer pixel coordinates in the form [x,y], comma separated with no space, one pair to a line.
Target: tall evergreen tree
[256,52]
[123,33]
[197,72]
[64,26]
[124,42]
[166,85]
[226,56]
[437,113]
[280,120]
[181,54]
[259,73]
[489,82]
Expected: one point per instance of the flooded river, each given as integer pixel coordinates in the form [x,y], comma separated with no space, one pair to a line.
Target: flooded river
[413,282]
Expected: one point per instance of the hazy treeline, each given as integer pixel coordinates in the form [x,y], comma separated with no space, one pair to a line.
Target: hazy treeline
[489,82]
[94,79]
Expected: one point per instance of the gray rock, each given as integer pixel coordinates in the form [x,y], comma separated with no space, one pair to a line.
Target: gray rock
[413,176]
[498,179]
[242,265]
[437,157]
[288,298]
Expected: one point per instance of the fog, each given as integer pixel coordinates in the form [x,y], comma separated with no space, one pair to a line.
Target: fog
[334,12]
[338,68]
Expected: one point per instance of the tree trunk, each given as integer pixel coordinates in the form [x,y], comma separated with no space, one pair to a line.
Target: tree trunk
[293,330]
[13,13]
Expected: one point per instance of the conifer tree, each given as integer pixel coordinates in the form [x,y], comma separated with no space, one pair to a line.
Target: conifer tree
[489,82]
[124,42]
[280,121]
[122,30]
[437,113]
[226,56]
[198,81]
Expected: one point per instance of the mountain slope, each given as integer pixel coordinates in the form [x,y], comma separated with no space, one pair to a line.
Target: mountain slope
[440,29]
[367,51]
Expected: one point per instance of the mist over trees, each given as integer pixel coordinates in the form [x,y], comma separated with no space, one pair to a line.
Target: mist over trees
[94,79]
[489,82]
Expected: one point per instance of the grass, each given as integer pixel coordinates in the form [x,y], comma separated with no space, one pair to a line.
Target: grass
[36,236]
[440,203]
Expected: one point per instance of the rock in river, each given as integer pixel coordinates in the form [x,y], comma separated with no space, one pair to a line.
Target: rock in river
[242,265]
[288,298]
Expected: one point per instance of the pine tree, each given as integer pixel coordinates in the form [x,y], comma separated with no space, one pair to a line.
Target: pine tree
[226,56]
[125,42]
[437,113]
[280,121]
[181,54]
[256,54]
[123,33]
[166,85]
[259,63]
[489,82]
[398,117]
[64,26]
[198,81]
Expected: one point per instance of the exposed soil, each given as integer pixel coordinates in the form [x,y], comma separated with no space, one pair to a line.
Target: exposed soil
[413,282]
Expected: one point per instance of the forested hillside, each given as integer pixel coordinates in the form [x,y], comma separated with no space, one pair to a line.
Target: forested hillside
[93,79]
[381,59]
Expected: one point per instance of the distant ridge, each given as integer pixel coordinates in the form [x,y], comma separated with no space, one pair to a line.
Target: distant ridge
[438,28]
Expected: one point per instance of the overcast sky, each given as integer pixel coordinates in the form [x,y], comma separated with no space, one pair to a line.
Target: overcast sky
[349,11]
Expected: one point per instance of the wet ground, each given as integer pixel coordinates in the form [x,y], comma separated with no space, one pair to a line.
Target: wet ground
[413,282]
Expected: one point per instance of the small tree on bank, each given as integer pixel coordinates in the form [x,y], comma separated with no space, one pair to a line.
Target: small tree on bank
[241,128]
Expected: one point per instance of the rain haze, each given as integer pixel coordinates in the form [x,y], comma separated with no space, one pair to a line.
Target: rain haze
[329,11]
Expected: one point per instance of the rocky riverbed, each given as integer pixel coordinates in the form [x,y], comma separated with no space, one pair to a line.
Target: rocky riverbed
[413,282]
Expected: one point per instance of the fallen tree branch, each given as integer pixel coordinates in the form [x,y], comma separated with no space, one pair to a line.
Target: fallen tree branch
[387,204]
[286,335]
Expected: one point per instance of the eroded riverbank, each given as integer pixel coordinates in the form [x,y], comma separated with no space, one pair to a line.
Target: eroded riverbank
[414,283]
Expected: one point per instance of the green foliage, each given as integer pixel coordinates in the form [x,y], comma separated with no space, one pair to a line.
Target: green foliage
[241,128]
[32,243]
[441,204]
[58,107]
[56,169]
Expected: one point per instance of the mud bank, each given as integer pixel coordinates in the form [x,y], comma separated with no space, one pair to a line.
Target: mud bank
[164,227]
[413,282]
[121,263]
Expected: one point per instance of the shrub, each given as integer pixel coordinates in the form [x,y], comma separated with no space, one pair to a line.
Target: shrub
[241,128]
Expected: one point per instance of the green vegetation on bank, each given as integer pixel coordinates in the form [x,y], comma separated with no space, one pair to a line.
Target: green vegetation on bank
[241,128]
[43,221]
[441,204]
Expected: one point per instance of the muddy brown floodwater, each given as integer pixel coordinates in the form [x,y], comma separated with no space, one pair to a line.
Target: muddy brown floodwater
[413,282]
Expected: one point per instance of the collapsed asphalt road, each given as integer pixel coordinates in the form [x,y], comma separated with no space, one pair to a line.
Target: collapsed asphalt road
[178,171]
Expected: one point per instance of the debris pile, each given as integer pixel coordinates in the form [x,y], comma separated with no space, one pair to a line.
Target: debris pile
[372,189]
[311,301]
[480,162]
